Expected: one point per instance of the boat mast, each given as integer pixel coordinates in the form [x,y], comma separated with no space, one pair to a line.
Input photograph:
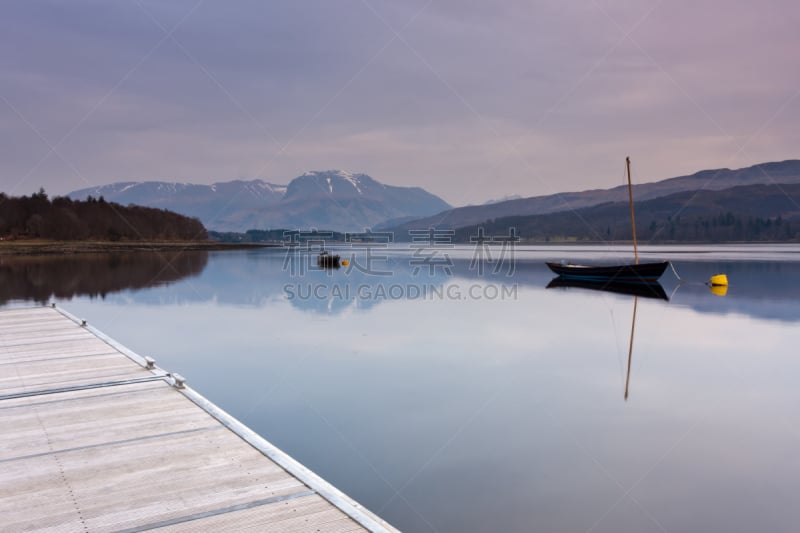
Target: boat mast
[630,201]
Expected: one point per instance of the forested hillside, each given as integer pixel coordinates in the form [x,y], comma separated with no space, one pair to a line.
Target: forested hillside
[749,213]
[60,218]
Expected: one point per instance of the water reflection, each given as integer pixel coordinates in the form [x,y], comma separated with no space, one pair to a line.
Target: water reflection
[758,288]
[645,290]
[486,415]
[630,347]
[42,278]
[763,289]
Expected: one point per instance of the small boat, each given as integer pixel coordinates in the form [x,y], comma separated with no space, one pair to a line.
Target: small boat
[635,273]
[326,260]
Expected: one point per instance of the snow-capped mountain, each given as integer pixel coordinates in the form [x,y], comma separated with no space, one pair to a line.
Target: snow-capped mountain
[333,183]
[206,202]
[331,199]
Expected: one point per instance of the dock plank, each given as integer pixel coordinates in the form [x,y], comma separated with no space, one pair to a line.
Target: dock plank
[298,515]
[73,421]
[118,455]
[67,349]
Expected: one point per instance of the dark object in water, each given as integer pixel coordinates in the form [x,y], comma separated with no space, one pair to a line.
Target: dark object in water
[646,290]
[636,273]
[326,260]
[641,273]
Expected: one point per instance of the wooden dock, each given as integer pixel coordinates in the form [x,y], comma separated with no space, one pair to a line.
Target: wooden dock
[97,438]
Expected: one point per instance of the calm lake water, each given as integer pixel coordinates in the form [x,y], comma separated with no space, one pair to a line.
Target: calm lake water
[451,395]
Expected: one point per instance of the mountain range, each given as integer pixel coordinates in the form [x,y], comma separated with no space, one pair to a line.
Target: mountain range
[744,213]
[344,201]
[331,199]
[783,172]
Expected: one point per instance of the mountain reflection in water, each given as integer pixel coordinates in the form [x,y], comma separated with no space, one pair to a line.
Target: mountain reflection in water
[41,278]
[448,399]
[760,288]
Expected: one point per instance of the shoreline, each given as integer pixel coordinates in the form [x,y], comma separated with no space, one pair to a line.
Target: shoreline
[77,247]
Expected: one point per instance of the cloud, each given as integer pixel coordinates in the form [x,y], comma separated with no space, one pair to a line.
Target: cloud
[471,100]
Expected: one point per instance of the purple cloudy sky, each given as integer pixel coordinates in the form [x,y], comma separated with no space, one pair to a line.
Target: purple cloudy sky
[469,99]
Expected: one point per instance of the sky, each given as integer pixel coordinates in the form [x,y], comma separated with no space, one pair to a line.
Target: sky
[471,100]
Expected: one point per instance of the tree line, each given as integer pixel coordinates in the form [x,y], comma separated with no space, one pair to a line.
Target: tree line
[276,236]
[722,227]
[725,227]
[61,218]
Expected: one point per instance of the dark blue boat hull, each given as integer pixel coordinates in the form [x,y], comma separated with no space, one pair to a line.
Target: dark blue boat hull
[641,273]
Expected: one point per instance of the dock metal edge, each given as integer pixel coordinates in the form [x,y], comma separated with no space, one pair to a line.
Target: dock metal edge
[337,498]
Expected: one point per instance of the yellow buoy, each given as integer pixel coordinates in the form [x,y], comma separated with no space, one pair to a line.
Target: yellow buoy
[345,262]
[720,280]
[719,290]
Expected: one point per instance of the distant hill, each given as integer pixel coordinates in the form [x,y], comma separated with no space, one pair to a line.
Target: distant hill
[719,179]
[744,213]
[209,203]
[503,199]
[333,199]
